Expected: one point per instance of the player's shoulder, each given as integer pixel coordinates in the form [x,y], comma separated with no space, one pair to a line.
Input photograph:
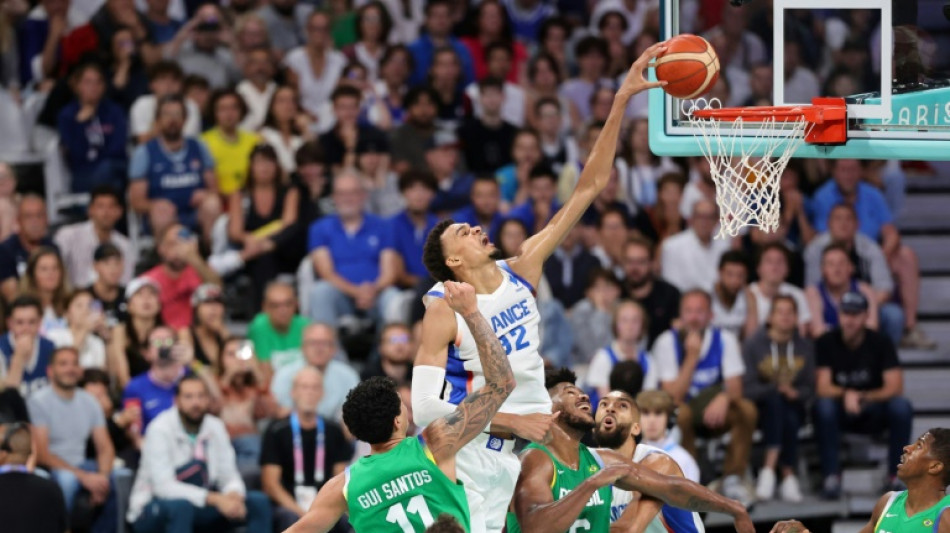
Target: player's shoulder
[434,294]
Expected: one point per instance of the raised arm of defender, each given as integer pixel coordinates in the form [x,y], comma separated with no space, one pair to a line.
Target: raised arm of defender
[535,251]
[448,434]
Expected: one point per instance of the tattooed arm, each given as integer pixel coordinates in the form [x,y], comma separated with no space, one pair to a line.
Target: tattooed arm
[678,492]
[448,434]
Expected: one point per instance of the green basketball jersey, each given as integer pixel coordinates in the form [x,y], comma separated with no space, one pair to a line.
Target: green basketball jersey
[402,490]
[596,515]
[894,518]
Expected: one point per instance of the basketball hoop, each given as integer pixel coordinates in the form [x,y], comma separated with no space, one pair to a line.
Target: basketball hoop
[747,184]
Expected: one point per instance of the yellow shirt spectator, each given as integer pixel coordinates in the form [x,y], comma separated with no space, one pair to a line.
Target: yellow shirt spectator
[231,158]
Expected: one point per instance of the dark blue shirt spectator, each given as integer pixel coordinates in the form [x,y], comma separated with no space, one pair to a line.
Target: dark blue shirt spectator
[34,372]
[526,214]
[94,145]
[355,256]
[173,176]
[153,396]
[869,203]
[437,33]
[468,215]
[408,240]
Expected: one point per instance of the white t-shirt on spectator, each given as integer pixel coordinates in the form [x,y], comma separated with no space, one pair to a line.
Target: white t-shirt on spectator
[257,103]
[77,243]
[142,116]
[286,151]
[92,353]
[315,91]
[667,364]
[801,86]
[512,110]
[763,305]
[598,373]
[688,263]
[731,319]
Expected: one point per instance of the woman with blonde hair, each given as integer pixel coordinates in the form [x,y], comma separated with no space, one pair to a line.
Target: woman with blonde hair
[629,331]
[45,278]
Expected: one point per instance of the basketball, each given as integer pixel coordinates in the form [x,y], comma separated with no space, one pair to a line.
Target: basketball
[689,66]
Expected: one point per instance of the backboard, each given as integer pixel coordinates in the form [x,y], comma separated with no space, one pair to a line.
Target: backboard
[896,82]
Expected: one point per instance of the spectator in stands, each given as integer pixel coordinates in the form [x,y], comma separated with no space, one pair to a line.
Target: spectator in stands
[659,298]
[353,254]
[32,233]
[859,387]
[699,186]
[570,174]
[180,273]
[245,401]
[302,452]
[772,269]
[454,187]
[701,367]
[635,220]
[125,72]
[512,108]
[612,26]
[493,26]
[45,279]
[544,81]
[410,229]
[128,347]
[592,317]
[607,239]
[729,294]
[172,176]
[154,390]
[107,290]
[196,89]
[161,23]
[569,268]
[591,55]
[277,332]
[263,217]
[876,222]
[319,349]
[558,147]
[30,503]
[689,258]
[315,87]
[837,279]
[124,425]
[208,331]
[165,79]
[285,126]
[628,333]
[447,80]
[641,170]
[340,144]
[207,55]
[409,140]
[395,67]
[487,137]
[395,355]
[373,30]
[541,204]
[79,332]
[285,24]
[483,208]
[665,214]
[526,155]
[93,132]
[78,242]
[175,490]
[438,34]
[871,267]
[779,378]
[230,146]
[64,418]
[801,83]
[511,235]
[656,419]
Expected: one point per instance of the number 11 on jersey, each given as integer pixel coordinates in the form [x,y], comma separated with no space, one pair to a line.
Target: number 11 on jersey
[417,505]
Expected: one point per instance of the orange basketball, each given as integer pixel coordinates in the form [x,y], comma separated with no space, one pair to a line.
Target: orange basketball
[689,65]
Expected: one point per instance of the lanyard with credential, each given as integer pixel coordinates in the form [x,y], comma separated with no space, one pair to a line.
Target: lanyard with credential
[319,452]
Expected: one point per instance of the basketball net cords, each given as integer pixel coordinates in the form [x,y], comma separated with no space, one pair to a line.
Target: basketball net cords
[747,186]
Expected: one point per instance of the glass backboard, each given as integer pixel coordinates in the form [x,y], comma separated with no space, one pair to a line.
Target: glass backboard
[896,82]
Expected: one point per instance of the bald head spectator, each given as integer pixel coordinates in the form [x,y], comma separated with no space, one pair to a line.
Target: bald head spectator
[28,503]
[292,486]
[320,348]
[277,331]
[78,242]
[353,254]
[32,233]
[180,273]
[689,258]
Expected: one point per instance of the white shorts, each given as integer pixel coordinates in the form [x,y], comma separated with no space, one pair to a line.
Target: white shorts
[488,468]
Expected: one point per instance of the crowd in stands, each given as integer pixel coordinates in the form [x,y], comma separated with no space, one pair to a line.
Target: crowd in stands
[273,167]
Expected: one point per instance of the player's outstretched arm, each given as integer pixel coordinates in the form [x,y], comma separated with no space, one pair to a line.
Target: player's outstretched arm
[439,329]
[534,505]
[678,492]
[637,517]
[535,251]
[448,434]
[326,509]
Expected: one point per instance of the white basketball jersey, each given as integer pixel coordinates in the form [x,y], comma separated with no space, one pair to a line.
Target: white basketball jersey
[669,519]
[512,312]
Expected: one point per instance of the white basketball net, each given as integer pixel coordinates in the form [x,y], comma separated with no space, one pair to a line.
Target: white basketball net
[747,186]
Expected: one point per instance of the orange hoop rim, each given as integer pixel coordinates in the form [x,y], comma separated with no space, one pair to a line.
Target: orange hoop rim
[822,110]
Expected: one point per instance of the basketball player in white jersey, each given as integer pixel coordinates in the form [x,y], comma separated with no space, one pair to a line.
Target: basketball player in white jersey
[447,367]
[617,425]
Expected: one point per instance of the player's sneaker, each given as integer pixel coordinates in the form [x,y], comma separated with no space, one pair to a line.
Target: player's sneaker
[789,490]
[734,489]
[765,485]
[916,339]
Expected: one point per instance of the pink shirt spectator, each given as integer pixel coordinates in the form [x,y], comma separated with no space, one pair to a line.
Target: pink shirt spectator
[176,294]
